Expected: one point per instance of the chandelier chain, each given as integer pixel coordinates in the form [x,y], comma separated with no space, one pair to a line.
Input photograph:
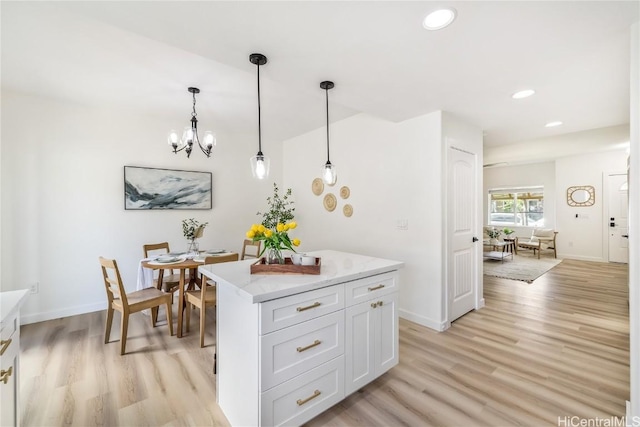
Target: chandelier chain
[194,114]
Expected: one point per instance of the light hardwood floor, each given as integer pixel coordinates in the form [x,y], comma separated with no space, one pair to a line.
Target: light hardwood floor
[558,347]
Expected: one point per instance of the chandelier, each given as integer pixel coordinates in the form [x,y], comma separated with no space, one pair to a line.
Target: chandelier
[190,134]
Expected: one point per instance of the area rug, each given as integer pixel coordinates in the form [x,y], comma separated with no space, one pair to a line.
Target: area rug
[525,267]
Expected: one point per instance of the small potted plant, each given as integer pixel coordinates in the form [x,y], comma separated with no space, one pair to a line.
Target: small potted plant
[193,230]
[493,234]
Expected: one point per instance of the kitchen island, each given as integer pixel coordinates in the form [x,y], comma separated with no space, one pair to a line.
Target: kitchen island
[10,303]
[291,346]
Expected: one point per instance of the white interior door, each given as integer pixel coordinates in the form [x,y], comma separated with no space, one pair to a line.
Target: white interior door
[462,209]
[618,219]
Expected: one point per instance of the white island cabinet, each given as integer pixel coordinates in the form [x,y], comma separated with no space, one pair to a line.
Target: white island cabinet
[291,346]
[10,303]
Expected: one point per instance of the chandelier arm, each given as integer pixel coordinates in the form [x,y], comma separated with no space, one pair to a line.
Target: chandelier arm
[206,151]
[194,126]
[175,150]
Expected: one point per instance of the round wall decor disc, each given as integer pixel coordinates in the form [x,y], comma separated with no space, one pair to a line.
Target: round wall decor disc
[347,210]
[345,192]
[330,202]
[317,186]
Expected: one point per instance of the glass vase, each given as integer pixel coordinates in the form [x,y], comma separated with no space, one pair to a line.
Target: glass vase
[274,256]
[193,248]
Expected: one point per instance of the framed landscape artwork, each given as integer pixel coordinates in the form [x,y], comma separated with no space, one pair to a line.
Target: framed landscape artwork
[150,188]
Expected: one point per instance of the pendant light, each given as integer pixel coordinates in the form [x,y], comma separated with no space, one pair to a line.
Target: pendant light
[259,162]
[190,134]
[329,173]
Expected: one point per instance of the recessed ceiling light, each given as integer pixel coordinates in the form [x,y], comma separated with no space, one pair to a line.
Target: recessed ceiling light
[439,19]
[523,94]
[552,124]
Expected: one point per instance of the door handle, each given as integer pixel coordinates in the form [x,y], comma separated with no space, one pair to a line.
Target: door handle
[625,236]
[475,239]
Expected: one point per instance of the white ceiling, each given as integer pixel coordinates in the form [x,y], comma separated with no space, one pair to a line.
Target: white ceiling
[144,55]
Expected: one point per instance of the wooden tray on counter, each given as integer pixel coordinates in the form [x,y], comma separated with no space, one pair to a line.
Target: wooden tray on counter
[261,267]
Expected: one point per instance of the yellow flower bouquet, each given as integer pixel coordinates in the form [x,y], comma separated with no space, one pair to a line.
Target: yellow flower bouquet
[275,240]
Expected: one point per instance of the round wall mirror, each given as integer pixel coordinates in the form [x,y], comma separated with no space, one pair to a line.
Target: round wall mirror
[583,195]
[580,196]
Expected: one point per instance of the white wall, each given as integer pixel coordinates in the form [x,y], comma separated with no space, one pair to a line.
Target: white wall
[394,172]
[585,237]
[63,204]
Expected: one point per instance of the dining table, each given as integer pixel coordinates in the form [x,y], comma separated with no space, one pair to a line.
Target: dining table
[183,263]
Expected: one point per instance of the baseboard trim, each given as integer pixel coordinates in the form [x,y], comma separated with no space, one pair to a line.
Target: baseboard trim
[421,320]
[581,258]
[26,319]
[628,413]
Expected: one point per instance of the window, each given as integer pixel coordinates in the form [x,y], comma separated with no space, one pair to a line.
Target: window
[517,207]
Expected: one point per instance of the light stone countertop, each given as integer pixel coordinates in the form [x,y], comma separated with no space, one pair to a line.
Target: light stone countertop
[336,267]
[10,302]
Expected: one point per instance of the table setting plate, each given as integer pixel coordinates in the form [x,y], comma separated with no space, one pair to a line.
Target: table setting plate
[168,260]
[214,251]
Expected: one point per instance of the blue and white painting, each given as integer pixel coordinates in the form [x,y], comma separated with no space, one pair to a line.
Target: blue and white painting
[150,188]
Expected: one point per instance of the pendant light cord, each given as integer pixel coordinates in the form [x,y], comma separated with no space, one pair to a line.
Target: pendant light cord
[326,92]
[259,124]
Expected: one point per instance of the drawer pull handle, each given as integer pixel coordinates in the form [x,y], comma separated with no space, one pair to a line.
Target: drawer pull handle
[4,375]
[301,402]
[5,345]
[315,343]
[375,288]
[309,307]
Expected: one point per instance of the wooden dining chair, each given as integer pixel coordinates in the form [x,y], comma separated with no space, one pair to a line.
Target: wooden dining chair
[170,279]
[206,295]
[126,304]
[253,249]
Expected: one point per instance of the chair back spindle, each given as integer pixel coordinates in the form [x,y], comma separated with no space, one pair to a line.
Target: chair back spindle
[250,249]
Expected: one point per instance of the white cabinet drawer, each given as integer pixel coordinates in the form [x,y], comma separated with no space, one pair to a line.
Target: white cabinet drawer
[280,313]
[9,344]
[305,396]
[9,328]
[9,386]
[296,349]
[370,287]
